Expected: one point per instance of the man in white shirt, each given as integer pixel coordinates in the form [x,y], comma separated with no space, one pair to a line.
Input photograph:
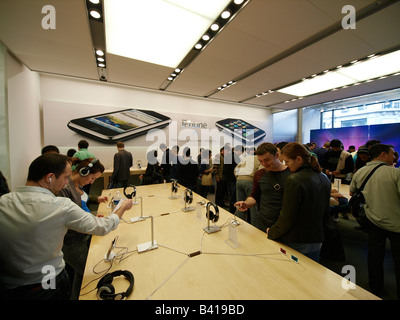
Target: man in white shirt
[32,228]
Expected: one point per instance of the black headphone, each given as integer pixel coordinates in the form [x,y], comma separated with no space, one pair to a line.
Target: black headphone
[174,186]
[106,291]
[210,214]
[188,196]
[84,171]
[130,195]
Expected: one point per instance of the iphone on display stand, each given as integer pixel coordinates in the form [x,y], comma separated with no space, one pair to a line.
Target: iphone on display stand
[241,129]
[119,125]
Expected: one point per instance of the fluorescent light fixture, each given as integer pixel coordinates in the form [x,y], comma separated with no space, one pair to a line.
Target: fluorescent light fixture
[374,68]
[158,31]
[317,84]
[358,71]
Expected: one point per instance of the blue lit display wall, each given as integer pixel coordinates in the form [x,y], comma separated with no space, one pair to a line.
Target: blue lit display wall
[358,136]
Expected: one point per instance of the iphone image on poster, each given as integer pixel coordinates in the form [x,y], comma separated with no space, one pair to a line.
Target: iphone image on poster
[119,125]
[241,129]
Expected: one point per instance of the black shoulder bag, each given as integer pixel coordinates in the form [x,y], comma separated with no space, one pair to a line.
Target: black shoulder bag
[357,200]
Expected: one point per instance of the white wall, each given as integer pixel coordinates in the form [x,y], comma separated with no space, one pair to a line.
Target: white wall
[23,119]
[64,89]
[27,90]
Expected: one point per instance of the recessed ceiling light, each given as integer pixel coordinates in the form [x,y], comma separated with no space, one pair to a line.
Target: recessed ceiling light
[214,27]
[238,1]
[101,65]
[198,46]
[95,1]
[95,14]
[226,14]
[100,59]
[206,37]
[100,53]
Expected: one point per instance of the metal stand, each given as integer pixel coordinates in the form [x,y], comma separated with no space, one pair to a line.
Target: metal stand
[186,208]
[141,218]
[174,189]
[151,245]
[210,229]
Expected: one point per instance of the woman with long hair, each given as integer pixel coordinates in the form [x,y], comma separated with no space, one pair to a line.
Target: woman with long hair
[305,208]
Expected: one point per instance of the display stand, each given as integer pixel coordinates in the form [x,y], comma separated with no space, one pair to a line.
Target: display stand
[232,241]
[151,245]
[141,218]
[188,198]
[174,190]
[211,217]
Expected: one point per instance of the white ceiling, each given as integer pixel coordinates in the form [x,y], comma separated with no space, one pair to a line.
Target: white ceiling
[269,44]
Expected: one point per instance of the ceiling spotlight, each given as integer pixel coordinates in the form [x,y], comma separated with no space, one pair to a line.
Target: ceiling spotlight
[198,46]
[100,59]
[226,14]
[101,65]
[206,37]
[238,1]
[214,27]
[170,78]
[95,1]
[100,53]
[177,70]
[95,14]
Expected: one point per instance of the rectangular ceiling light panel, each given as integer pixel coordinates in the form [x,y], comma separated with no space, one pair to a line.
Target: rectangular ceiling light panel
[372,68]
[317,84]
[158,31]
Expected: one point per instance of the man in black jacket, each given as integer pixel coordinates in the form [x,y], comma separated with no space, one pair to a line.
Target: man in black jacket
[122,163]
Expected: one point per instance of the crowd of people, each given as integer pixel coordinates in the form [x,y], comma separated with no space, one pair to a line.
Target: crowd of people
[283,189]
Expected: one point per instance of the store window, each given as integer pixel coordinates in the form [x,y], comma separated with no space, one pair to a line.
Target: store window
[376,110]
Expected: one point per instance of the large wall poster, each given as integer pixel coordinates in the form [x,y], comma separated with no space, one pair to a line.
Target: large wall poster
[67,123]
[358,136]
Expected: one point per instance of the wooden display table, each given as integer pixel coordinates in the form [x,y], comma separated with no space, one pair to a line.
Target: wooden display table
[108,173]
[189,263]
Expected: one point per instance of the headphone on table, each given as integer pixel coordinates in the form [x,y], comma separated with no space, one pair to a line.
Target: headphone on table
[174,186]
[84,171]
[210,214]
[188,196]
[130,195]
[105,289]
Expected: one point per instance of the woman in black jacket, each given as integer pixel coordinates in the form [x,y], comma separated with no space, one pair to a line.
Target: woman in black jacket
[305,208]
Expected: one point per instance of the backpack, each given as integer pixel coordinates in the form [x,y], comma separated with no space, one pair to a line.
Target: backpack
[357,200]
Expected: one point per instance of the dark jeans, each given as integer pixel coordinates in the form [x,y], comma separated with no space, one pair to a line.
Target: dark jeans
[376,254]
[120,184]
[62,290]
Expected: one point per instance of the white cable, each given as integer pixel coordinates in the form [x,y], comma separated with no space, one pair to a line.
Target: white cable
[175,271]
